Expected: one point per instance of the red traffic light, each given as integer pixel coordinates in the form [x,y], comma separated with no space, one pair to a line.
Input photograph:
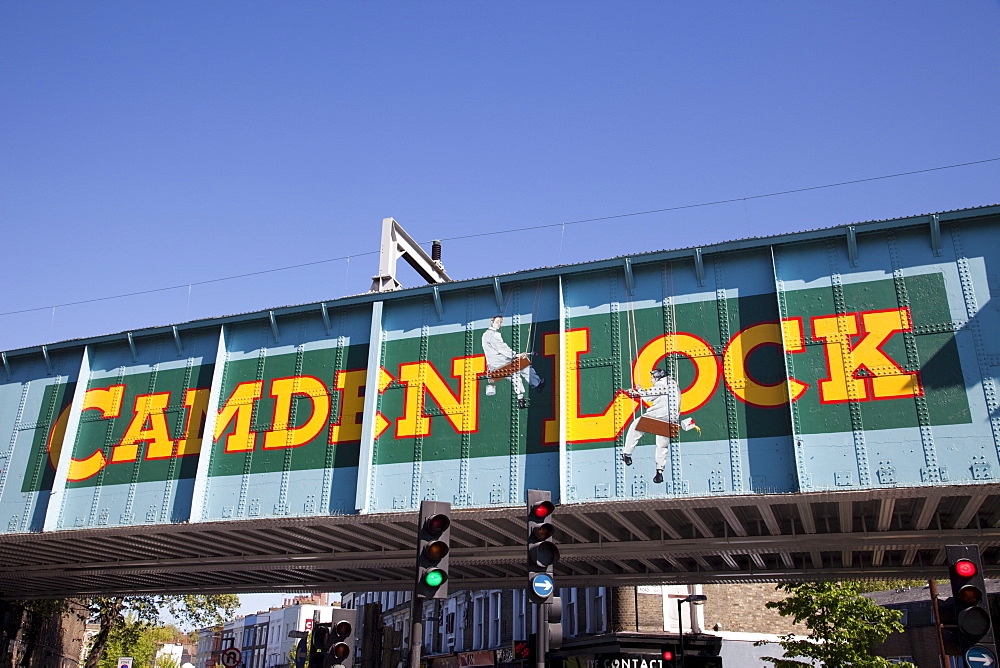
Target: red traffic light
[437,524]
[965,568]
[543,509]
[668,655]
[343,629]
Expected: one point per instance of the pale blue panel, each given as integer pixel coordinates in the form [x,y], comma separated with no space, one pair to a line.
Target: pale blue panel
[139,500]
[28,413]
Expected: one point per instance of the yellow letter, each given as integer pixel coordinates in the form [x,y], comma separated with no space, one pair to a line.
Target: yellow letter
[196,402]
[107,400]
[282,434]
[706,366]
[882,378]
[738,379]
[239,406]
[352,405]
[462,411]
[579,428]
[148,409]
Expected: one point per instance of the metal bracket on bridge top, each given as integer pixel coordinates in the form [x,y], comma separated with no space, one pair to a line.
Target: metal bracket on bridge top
[498,293]
[131,346]
[936,235]
[852,245]
[396,243]
[48,361]
[326,318]
[274,327]
[6,365]
[177,342]
[437,303]
[629,278]
[699,267]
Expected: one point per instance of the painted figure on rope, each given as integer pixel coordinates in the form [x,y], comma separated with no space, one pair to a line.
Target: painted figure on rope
[502,362]
[662,418]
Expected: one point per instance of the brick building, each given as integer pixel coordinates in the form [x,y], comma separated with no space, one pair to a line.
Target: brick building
[481,628]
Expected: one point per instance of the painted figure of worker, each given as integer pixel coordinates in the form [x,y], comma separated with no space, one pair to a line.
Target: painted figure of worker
[502,362]
[664,398]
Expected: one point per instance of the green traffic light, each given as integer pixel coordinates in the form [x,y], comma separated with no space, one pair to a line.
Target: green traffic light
[434,578]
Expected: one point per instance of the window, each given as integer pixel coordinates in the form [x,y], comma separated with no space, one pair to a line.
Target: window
[495,613]
[428,631]
[570,616]
[479,613]
[520,620]
[596,610]
[461,606]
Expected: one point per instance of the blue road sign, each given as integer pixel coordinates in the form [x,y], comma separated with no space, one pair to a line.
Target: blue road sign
[542,585]
[979,657]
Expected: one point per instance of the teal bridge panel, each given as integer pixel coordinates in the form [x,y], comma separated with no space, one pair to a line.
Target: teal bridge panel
[859,357]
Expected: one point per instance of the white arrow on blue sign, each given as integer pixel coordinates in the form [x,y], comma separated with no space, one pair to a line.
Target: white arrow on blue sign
[542,585]
[979,657]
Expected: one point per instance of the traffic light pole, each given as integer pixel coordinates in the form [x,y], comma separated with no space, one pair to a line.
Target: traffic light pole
[416,631]
[932,585]
[433,546]
[542,555]
[541,633]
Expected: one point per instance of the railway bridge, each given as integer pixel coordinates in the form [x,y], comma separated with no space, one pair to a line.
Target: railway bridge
[815,405]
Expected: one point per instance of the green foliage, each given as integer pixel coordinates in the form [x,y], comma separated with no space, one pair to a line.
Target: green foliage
[201,611]
[868,586]
[166,662]
[844,626]
[130,625]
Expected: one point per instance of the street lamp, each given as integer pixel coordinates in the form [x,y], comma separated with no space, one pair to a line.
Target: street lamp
[693,599]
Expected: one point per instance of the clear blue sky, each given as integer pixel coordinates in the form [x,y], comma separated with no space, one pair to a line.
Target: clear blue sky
[156,144]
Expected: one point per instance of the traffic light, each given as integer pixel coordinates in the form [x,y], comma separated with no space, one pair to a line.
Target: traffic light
[319,642]
[433,537]
[524,650]
[668,653]
[968,589]
[542,550]
[341,643]
[555,623]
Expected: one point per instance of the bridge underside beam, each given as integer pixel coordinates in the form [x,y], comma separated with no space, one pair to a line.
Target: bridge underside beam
[888,533]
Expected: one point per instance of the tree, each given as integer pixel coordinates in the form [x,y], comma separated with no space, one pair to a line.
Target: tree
[33,616]
[124,619]
[844,626]
[139,641]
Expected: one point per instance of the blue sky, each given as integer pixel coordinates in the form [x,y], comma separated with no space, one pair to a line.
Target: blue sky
[151,145]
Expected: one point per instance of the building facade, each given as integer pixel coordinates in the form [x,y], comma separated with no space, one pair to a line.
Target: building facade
[263,638]
[489,628]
